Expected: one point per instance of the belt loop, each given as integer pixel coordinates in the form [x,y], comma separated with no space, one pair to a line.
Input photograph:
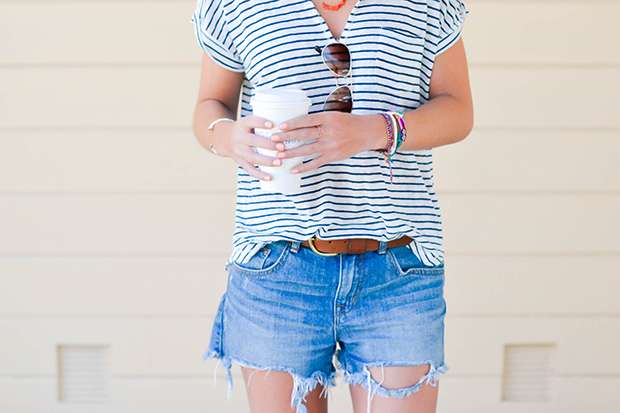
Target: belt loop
[295,246]
[382,247]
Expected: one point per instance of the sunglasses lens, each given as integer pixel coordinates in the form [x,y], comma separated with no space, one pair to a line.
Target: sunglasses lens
[337,58]
[339,100]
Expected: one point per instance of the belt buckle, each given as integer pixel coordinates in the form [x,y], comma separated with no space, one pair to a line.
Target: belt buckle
[322,254]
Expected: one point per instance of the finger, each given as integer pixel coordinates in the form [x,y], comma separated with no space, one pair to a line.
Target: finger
[251,122]
[304,121]
[252,139]
[304,134]
[256,158]
[254,172]
[308,166]
[304,150]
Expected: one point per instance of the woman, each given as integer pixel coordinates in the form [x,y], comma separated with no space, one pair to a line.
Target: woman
[352,265]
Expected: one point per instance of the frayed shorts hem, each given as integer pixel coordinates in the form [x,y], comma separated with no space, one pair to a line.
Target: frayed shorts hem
[302,386]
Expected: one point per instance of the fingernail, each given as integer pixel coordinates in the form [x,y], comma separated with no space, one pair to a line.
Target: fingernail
[280,146]
[283,126]
[294,171]
[277,162]
[268,125]
[267,178]
[274,137]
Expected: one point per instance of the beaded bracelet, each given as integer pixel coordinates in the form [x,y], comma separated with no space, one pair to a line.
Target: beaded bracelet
[389,125]
[402,135]
[397,133]
[391,149]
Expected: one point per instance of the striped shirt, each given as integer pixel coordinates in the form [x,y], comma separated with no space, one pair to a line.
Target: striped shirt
[393,47]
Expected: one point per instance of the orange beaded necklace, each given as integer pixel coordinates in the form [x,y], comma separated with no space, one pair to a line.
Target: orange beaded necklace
[334,8]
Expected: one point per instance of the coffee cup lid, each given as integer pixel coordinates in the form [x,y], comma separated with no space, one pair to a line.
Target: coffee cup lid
[281,97]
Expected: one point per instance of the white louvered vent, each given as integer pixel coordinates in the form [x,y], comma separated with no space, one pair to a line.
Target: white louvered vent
[529,373]
[83,374]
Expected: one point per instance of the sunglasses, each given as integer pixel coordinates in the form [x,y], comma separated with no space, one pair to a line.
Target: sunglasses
[337,58]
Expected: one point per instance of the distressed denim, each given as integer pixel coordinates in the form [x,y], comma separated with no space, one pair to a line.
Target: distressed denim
[289,309]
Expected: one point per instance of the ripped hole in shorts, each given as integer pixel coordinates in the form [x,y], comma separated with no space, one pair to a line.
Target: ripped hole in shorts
[373,387]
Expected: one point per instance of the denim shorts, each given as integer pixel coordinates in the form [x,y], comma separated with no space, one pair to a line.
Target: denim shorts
[290,309]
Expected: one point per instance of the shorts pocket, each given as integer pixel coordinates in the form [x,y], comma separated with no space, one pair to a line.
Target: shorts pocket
[405,262]
[398,65]
[267,260]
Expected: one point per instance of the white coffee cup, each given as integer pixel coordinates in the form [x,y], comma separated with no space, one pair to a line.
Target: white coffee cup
[277,106]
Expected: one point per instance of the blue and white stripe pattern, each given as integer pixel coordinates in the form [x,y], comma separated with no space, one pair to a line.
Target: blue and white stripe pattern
[393,47]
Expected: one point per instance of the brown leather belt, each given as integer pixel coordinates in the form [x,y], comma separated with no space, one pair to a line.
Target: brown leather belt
[350,246]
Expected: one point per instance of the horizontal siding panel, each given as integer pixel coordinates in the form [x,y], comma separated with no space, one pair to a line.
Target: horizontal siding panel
[536,285]
[117,224]
[573,395]
[526,161]
[543,32]
[111,161]
[94,97]
[193,286]
[199,224]
[531,224]
[92,33]
[546,97]
[137,347]
[497,32]
[174,347]
[173,161]
[128,396]
[89,286]
[153,97]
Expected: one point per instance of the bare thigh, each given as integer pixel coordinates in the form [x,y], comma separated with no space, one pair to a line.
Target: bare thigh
[394,378]
[270,392]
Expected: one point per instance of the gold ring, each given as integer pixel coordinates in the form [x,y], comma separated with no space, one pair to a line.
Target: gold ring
[313,248]
[320,131]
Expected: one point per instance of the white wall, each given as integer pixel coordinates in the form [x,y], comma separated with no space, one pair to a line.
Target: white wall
[115,223]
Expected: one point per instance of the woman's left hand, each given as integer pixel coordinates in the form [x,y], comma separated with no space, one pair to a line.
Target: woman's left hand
[338,136]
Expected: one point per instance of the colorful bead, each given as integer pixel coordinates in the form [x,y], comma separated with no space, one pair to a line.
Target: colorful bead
[334,8]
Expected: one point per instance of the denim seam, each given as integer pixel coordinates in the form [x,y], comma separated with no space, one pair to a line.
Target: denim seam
[358,288]
[258,273]
[336,305]
[350,306]
[415,271]
[220,344]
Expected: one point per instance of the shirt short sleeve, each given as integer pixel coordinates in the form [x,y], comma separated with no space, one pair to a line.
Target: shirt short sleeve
[212,33]
[452,17]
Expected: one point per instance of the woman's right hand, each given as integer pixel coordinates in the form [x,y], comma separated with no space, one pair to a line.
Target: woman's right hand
[236,139]
[218,97]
